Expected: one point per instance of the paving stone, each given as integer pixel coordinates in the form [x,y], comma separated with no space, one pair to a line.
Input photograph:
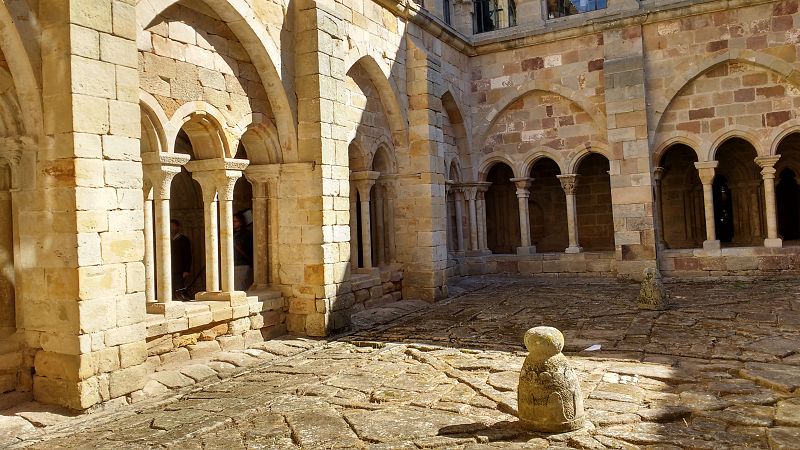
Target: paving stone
[396,424]
[321,427]
[783,438]
[788,412]
[238,359]
[172,379]
[781,377]
[198,372]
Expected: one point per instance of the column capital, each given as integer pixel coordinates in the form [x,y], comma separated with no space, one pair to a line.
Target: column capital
[470,191]
[262,173]
[523,185]
[159,169]
[706,170]
[363,182]
[767,164]
[658,173]
[569,182]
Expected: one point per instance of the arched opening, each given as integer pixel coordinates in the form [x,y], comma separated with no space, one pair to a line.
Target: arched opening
[7,278]
[547,208]
[187,228]
[787,190]
[452,218]
[593,200]
[502,211]
[681,199]
[243,256]
[738,195]
[381,223]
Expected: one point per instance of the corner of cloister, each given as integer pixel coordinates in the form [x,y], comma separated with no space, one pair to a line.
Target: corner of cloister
[374,151]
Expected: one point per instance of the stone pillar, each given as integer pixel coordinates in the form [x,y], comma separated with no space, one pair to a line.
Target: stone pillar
[523,194]
[658,174]
[767,164]
[706,171]
[208,188]
[483,244]
[569,182]
[263,178]
[227,181]
[353,226]
[364,181]
[218,177]
[389,189]
[458,203]
[149,244]
[380,225]
[471,192]
[161,169]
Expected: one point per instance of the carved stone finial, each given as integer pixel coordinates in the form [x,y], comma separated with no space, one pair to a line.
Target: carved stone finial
[549,394]
[652,295]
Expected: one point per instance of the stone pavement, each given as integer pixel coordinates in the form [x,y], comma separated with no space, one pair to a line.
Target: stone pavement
[720,369]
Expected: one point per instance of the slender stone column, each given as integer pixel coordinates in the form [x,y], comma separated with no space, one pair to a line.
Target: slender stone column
[569,182]
[364,182]
[208,189]
[262,177]
[273,198]
[353,226]
[706,170]
[388,195]
[767,164]
[458,202]
[227,181]
[483,243]
[658,174]
[523,194]
[149,242]
[379,226]
[471,192]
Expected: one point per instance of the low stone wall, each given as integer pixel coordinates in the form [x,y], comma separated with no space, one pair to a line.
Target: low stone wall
[15,370]
[377,289]
[584,264]
[209,327]
[737,261]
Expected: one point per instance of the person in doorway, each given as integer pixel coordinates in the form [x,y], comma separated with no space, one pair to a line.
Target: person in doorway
[242,252]
[181,260]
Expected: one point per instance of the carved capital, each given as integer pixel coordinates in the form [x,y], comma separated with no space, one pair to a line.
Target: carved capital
[569,182]
[706,170]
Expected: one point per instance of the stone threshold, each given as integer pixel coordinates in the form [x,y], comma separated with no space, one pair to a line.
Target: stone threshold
[202,313]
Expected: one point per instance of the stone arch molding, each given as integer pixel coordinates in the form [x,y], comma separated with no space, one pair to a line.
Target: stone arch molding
[517,92]
[263,52]
[713,143]
[447,91]
[667,141]
[491,160]
[543,153]
[383,143]
[389,95]
[696,70]
[779,134]
[575,161]
[22,74]
[454,162]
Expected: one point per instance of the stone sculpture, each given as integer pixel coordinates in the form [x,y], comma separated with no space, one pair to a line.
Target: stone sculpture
[549,394]
[652,296]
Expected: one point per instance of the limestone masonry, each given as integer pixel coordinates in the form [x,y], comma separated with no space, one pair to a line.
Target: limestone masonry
[287,164]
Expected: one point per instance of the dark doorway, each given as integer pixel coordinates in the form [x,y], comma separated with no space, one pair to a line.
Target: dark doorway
[502,211]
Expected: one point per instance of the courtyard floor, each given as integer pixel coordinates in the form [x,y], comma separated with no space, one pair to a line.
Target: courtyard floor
[719,369]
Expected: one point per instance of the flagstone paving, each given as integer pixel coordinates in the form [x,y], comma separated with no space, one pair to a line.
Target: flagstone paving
[719,369]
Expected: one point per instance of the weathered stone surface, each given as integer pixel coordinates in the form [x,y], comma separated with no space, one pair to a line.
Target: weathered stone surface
[653,295]
[788,413]
[549,393]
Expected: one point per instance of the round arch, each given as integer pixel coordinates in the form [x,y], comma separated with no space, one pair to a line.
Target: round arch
[675,138]
[543,153]
[780,133]
[517,92]
[491,160]
[575,161]
[383,145]
[261,48]
[719,138]
[387,91]
[205,126]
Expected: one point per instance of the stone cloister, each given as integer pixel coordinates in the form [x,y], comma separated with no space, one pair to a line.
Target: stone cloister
[378,151]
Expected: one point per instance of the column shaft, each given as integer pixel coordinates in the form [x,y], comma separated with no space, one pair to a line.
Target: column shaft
[211,228]
[260,240]
[366,241]
[569,182]
[767,164]
[458,200]
[353,228]
[163,250]
[149,237]
[379,225]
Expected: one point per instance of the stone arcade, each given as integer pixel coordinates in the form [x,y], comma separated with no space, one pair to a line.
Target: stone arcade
[381,149]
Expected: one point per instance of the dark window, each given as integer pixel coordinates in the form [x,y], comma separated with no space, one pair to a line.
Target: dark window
[562,8]
[446,11]
[492,15]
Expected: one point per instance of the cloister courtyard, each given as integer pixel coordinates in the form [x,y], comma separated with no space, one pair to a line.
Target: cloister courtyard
[719,369]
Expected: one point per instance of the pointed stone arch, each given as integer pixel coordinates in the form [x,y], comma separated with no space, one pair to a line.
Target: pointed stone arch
[456,117]
[264,54]
[27,90]
[388,93]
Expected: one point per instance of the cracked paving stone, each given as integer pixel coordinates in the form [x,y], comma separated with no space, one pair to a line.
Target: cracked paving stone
[321,427]
[198,372]
[776,376]
[238,359]
[172,379]
[788,412]
[409,423]
[783,438]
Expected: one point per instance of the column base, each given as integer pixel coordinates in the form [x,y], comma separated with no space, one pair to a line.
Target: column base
[573,249]
[234,297]
[530,250]
[366,271]
[773,243]
[484,252]
[171,310]
[712,247]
